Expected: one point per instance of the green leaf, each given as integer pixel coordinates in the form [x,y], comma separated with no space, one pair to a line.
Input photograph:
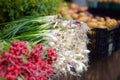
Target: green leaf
[19,78]
[24,59]
[2,79]
[44,56]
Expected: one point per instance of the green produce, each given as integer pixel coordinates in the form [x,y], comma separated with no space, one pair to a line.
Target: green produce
[14,9]
[28,29]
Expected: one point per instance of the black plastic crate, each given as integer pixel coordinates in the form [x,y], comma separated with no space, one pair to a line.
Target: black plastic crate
[103,42]
[103,5]
[115,6]
[115,37]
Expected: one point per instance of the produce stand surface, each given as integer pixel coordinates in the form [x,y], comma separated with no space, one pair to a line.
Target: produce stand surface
[102,69]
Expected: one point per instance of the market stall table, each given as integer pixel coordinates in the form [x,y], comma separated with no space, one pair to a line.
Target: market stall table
[104,69]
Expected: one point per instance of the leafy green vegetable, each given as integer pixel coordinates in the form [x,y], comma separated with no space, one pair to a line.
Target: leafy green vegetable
[14,9]
[28,29]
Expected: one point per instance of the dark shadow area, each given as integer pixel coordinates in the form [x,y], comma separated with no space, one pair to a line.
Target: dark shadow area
[105,12]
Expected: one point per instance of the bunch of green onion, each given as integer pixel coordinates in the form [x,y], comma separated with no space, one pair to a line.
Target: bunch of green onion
[28,29]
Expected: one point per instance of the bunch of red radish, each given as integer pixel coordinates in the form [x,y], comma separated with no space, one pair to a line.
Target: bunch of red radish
[19,62]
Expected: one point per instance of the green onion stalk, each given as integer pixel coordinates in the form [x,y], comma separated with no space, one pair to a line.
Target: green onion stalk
[32,30]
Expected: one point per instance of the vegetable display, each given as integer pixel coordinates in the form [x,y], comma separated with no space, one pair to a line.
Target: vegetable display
[15,9]
[33,30]
[64,41]
[70,43]
[20,63]
[92,21]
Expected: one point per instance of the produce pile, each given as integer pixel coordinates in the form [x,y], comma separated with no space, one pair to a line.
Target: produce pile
[70,44]
[92,21]
[19,63]
[36,48]
[12,10]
